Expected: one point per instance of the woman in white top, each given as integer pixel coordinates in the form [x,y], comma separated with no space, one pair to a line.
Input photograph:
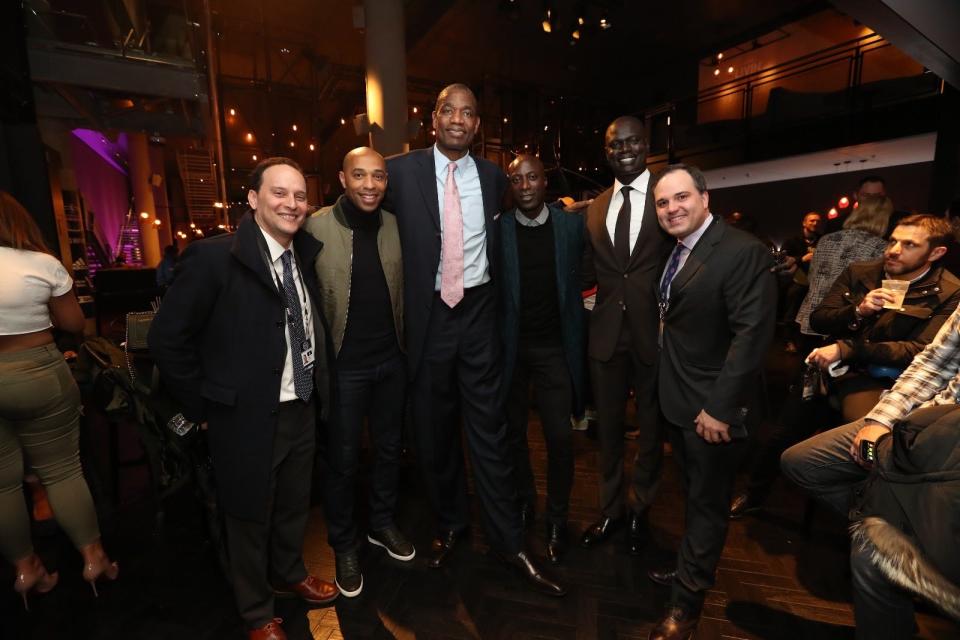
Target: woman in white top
[39,404]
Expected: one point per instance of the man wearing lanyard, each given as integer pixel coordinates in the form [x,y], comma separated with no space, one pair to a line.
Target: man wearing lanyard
[241,347]
[717,300]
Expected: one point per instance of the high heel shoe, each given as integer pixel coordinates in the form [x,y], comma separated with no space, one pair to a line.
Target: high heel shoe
[33,576]
[97,565]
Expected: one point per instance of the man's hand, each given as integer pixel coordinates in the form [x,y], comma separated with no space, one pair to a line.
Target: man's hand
[786,268]
[871,431]
[823,357]
[808,256]
[711,429]
[578,206]
[873,302]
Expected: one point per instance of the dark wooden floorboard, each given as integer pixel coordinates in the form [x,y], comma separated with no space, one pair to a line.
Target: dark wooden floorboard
[775,581]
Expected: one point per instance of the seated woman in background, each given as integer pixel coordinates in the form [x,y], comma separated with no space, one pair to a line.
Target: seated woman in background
[40,404]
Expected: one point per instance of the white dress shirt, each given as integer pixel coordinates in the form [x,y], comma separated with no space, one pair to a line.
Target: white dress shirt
[638,201]
[467,178]
[287,390]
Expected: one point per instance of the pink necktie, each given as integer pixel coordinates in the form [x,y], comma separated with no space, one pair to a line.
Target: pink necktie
[451,255]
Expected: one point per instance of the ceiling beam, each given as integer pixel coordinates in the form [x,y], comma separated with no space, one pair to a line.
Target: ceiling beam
[924,29]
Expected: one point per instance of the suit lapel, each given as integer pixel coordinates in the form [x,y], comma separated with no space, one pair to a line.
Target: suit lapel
[700,254]
[488,188]
[560,254]
[650,232]
[427,178]
[247,249]
[598,222]
[307,247]
[512,256]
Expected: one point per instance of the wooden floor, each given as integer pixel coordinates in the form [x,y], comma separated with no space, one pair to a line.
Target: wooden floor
[774,581]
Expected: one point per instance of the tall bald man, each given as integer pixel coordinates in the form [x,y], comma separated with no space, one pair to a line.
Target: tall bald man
[360,272]
[446,201]
[624,245]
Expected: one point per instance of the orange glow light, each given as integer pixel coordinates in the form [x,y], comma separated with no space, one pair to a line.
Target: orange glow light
[832,214]
[844,202]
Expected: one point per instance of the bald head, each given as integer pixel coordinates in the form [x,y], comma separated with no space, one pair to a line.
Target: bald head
[625,146]
[364,178]
[528,184]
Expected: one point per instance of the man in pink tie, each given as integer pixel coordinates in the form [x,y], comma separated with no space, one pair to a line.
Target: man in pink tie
[446,202]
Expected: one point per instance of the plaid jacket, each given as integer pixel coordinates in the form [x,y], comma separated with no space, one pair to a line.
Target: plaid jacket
[834,252]
[933,378]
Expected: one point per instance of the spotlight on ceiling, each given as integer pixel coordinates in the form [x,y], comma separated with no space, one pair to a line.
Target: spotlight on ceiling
[547,23]
[605,24]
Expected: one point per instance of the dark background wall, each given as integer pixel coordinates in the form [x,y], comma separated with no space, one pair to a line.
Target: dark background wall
[778,207]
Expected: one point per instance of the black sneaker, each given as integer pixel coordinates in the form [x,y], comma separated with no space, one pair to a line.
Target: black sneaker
[349,578]
[393,541]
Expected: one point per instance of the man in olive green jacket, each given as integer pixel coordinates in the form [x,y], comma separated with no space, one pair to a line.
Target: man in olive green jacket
[360,274]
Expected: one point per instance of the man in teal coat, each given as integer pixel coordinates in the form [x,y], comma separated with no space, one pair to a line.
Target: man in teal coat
[542,320]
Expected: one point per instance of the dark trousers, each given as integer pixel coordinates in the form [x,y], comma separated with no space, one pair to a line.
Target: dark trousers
[546,367]
[375,393]
[800,419]
[611,380]
[708,471]
[461,370]
[272,550]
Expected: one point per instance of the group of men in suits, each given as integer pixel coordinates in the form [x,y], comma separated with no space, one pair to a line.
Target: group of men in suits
[684,311]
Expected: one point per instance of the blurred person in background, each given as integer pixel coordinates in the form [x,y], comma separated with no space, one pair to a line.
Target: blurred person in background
[861,239]
[40,404]
[800,248]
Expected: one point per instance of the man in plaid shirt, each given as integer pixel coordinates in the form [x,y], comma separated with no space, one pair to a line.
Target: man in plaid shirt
[829,466]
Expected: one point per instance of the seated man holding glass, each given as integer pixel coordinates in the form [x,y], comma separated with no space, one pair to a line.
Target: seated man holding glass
[874,332]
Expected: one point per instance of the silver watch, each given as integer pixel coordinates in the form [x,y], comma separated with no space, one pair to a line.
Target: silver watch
[180,425]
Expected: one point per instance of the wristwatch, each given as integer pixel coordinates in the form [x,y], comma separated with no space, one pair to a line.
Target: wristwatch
[180,425]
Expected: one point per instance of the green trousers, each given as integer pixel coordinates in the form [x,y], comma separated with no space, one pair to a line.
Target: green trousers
[40,425]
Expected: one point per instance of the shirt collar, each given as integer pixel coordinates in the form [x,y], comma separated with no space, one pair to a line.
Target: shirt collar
[441,162]
[533,222]
[273,247]
[691,240]
[640,183]
[915,280]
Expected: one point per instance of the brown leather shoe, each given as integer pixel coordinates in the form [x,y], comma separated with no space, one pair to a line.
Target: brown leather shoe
[743,504]
[270,631]
[600,531]
[676,624]
[312,590]
[442,547]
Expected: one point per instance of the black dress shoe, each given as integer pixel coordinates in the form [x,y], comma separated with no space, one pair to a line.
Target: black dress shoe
[556,542]
[663,576]
[531,572]
[442,547]
[743,504]
[527,515]
[676,624]
[599,531]
[637,533]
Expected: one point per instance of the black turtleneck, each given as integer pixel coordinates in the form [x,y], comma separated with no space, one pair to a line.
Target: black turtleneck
[370,336]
